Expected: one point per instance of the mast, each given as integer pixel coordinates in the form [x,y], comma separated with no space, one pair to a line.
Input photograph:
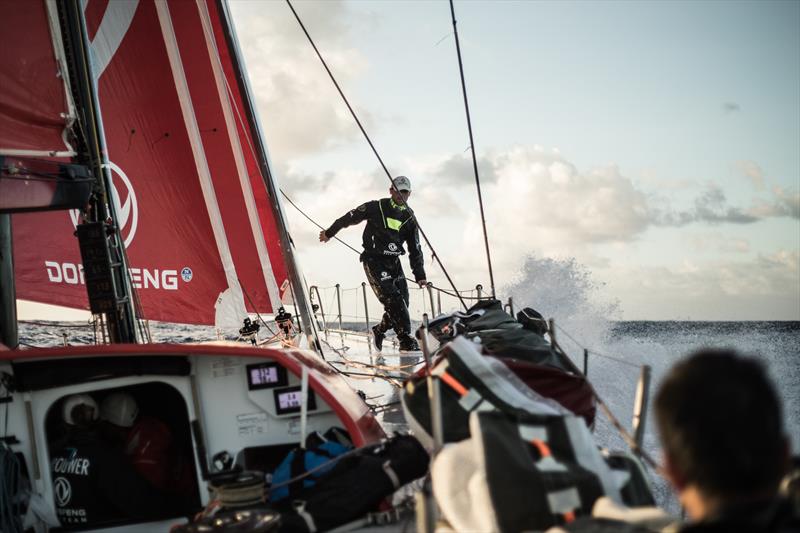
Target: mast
[299,292]
[8,307]
[110,291]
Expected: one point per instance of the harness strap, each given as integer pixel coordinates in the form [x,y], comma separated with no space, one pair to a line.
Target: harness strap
[454,384]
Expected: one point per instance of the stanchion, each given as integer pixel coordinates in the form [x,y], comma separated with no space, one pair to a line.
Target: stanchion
[339,308]
[366,313]
[640,406]
[314,289]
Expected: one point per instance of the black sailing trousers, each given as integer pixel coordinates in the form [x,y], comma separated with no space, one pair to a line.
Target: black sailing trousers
[386,277]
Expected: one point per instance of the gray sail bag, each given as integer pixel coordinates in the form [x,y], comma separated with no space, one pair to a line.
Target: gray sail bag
[523,473]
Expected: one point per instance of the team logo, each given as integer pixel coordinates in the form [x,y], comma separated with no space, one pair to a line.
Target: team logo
[63,491]
[125,205]
[187,274]
[392,247]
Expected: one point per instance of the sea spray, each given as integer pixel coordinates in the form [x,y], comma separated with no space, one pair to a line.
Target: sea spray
[563,289]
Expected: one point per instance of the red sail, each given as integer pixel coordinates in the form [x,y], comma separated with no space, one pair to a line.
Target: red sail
[192,203]
[33,100]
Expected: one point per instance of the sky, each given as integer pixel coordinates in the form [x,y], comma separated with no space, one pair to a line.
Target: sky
[654,144]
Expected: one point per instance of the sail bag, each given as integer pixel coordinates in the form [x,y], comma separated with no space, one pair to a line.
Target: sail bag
[520,473]
[356,485]
[469,381]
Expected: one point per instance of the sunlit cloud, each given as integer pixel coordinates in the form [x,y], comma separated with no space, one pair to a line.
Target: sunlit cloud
[753,171]
[293,93]
[763,288]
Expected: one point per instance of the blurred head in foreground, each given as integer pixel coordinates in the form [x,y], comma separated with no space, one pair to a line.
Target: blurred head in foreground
[721,428]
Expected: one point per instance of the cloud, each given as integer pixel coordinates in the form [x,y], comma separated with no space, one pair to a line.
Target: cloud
[460,169]
[540,190]
[764,288]
[712,207]
[784,204]
[714,242]
[293,92]
[731,107]
[753,171]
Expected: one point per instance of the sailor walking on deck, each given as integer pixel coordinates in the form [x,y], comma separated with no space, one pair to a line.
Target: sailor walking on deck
[389,224]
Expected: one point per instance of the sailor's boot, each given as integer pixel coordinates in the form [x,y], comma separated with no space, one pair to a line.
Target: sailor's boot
[408,343]
[378,335]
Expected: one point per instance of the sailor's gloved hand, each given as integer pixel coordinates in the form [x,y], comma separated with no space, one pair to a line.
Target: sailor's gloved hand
[323,237]
[422,283]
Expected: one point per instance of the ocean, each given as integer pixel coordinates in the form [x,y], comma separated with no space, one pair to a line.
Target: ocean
[616,354]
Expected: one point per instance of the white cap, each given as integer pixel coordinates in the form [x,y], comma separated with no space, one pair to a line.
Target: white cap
[75,400]
[120,409]
[402,183]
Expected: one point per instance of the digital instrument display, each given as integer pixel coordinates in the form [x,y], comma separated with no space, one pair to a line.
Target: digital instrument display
[288,400]
[266,376]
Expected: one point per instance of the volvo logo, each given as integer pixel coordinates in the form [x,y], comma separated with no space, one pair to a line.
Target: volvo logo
[63,491]
[125,205]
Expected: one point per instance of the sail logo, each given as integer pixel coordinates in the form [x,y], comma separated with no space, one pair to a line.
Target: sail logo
[63,491]
[141,278]
[125,206]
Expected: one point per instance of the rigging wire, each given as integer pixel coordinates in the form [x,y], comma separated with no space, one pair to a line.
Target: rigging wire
[472,149]
[313,221]
[456,294]
[374,150]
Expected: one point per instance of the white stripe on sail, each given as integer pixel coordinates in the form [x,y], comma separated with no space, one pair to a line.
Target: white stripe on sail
[116,21]
[241,166]
[203,172]
[63,72]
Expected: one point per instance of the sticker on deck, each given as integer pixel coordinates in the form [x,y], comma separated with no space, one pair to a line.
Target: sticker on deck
[252,424]
[224,367]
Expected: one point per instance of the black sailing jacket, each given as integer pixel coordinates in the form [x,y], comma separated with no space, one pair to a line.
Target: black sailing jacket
[94,483]
[389,225]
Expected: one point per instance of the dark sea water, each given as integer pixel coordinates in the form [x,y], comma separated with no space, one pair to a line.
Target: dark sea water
[617,350]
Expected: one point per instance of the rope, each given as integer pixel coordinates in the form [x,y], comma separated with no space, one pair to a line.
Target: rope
[618,360]
[456,294]
[254,307]
[314,222]
[472,147]
[604,407]
[374,150]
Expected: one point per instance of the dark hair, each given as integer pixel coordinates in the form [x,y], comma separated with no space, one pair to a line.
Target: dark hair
[721,424]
